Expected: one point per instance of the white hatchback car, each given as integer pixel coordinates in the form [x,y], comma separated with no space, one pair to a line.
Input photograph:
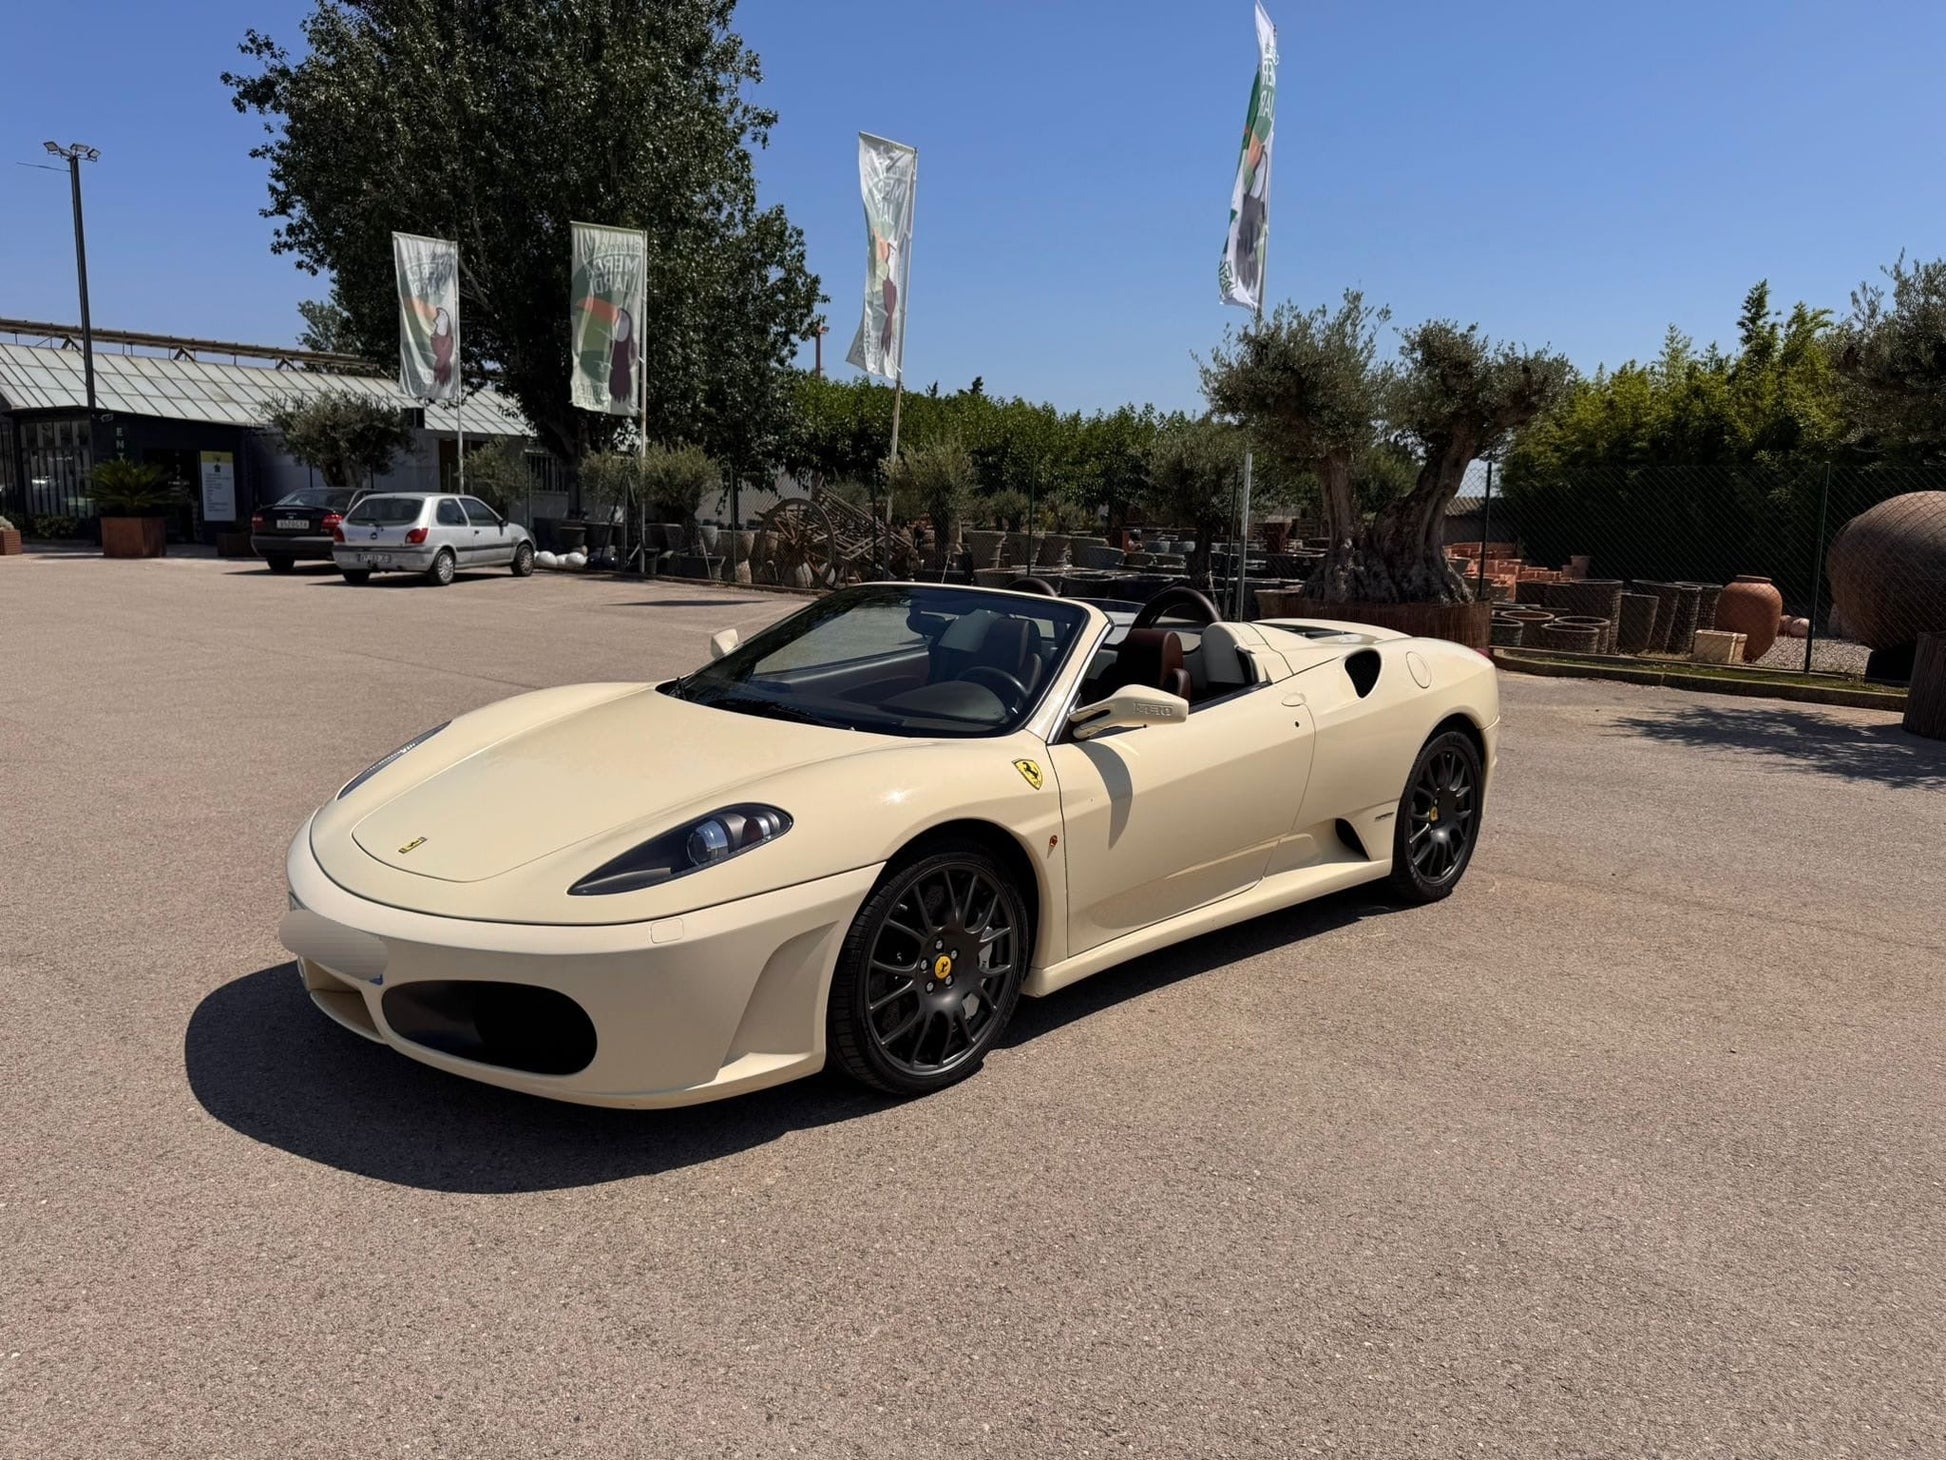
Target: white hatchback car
[433,533]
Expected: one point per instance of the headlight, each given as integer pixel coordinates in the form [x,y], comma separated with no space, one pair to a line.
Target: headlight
[703,843]
[378,765]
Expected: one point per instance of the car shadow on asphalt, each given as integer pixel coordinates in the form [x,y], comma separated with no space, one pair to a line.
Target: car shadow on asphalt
[1883,753]
[264,1062]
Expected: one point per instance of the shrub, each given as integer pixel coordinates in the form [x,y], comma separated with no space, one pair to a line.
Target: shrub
[131,489]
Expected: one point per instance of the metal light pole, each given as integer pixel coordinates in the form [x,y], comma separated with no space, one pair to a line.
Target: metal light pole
[76,153]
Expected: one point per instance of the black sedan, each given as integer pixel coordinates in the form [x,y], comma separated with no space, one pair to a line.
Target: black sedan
[300,526]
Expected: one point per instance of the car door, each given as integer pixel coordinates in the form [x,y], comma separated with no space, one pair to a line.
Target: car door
[493,543]
[451,529]
[1167,818]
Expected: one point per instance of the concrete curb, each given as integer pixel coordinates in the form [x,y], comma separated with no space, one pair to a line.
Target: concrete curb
[1859,699]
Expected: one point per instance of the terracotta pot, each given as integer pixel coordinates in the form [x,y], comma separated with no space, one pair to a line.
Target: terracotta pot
[1751,606]
[133,537]
[10,542]
[1887,565]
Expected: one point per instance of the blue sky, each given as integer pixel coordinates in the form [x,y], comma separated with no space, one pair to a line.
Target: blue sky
[1564,174]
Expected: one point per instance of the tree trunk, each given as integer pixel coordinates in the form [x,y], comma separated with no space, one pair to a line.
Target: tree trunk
[1925,703]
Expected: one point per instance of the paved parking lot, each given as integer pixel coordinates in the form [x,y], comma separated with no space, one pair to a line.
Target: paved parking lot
[1633,1147]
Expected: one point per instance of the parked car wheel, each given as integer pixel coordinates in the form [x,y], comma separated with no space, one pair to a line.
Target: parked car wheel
[524,560]
[930,972]
[357,575]
[441,571]
[279,562]
[1438,821]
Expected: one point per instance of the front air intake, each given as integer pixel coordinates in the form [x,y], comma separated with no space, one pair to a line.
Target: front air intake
[513,1025]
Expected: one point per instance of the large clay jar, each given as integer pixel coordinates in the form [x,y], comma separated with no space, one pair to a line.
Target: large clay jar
[1751,606]
[1888,571]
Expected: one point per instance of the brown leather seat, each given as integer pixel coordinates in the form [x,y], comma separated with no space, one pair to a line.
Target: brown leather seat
[1152,657]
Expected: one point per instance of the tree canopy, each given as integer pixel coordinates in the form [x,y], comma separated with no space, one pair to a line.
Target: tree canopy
[348,437]
[497,125]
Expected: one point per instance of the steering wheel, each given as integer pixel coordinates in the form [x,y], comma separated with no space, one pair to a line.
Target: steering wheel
[1033,585]
[1012,693]
[1182,594]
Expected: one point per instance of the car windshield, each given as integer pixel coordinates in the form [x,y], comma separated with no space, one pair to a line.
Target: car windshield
[899,659]
[384,511]
[329,498]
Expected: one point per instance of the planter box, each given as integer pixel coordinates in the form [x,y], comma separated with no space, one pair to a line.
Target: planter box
[1718,646]
[133,537]
[9,541]
[233,545]
[1470,624]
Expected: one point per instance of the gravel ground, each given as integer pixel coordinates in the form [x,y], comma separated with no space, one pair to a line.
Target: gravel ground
[1828,656]
[1632,1147]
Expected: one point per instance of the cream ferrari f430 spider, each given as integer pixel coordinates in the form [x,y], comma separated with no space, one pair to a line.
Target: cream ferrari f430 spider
[864,834]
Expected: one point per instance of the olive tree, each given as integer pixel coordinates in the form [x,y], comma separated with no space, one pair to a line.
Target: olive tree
[350,438]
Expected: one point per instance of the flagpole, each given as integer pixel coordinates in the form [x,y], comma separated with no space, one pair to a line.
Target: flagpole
[459,424]
[898,383]
[641,505]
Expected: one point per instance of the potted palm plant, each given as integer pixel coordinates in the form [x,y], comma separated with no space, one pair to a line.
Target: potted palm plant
[132,499]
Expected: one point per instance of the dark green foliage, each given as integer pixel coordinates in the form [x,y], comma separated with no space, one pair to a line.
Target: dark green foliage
[496,125]
[350,438]
[1891,356]
[132,489]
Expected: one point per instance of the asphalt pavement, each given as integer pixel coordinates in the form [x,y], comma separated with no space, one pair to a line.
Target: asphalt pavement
[1633,1147]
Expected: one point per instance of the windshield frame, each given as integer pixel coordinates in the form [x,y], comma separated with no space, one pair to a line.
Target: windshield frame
[741,689]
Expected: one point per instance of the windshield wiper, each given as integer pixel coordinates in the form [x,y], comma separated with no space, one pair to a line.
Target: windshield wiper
[758,705]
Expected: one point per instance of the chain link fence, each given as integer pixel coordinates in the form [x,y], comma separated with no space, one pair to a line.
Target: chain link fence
[1828,569]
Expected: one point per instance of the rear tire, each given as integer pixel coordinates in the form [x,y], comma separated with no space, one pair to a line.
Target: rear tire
[442,569]
[1438,821]
[930,972]
[355,576]
[280,562]
[524,560]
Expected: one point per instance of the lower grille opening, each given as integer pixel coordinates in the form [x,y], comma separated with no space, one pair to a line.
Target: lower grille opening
[512,1025]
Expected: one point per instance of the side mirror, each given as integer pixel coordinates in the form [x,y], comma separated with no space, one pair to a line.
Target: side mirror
[722,643]
[1132,707]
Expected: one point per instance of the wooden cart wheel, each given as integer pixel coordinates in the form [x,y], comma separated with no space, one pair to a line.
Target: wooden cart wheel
[806,544]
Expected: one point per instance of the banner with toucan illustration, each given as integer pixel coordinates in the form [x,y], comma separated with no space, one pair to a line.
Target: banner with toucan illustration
[428,274]
[605,302]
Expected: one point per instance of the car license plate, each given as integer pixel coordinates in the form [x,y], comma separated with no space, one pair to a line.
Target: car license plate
[380,560]
[291,524]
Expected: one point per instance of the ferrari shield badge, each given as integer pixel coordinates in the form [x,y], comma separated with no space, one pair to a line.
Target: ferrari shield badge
[1029,772]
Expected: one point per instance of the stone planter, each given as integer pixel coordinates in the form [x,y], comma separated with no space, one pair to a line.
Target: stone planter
[1573,638]
[1682,634]
[570,537]
[1505,632]
[1751,606]
[1717,646]
[1098,556]
[1706,605]
[133,537]
[993,577]
[1665,595]
[1053,552]
[1635,623]
[709,537]
[1604,629]
[984,547]
[10,542]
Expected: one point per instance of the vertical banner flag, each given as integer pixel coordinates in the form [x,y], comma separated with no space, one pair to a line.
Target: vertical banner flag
[608,284]
[1241,276]
[428,273]
[888,176]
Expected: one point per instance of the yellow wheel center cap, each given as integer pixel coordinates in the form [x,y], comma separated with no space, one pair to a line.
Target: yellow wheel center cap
[942,966]
[1433,815]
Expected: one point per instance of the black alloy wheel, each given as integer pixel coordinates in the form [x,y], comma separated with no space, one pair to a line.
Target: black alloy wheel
[1438,820]
[930,972]
[441,571]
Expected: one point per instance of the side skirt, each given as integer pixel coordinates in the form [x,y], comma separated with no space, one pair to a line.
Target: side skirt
[1286,889]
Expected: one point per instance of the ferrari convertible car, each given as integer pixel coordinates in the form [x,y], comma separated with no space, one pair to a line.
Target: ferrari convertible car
[864,834]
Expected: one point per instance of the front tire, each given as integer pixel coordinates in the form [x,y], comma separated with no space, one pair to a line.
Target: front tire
[1438,821]
[356,576]
[524,560]
[442,569]
[930,972]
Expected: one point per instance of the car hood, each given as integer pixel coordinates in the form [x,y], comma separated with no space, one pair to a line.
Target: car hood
[638,760]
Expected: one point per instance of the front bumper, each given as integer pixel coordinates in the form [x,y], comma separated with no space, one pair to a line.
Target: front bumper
[714,1003]
[385,559]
